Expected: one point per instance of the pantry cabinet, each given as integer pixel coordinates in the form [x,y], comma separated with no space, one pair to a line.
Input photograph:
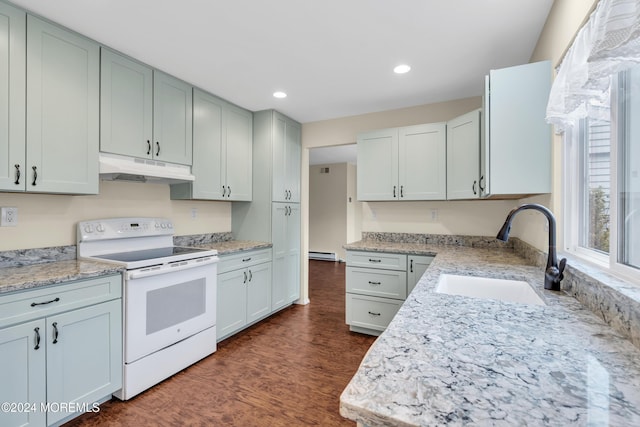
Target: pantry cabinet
[145,113]
[407,163]
[62,111]
[222,151]
[267,218]
[463,157]
[244,290]
[516,142]
[12,97]
[60,344]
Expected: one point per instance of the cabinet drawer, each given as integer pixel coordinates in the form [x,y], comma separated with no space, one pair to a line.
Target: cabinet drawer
[377,260]
[243,259]
[375,282]
[371,312]
[23,306]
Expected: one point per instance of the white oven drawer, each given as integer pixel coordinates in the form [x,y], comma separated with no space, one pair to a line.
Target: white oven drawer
[163,309]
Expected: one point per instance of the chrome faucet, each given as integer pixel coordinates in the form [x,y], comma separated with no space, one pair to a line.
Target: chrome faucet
[553,273]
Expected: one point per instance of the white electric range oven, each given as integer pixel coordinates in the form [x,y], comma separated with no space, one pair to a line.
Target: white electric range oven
[169,296]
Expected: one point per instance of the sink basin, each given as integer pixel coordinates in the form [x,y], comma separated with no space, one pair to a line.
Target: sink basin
[488,288]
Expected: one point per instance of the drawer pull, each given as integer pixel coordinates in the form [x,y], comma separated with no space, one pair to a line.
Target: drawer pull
[374,314]
[374,283]
[55,332]
[37,331]
[33,304]
[246,259]
[375,260]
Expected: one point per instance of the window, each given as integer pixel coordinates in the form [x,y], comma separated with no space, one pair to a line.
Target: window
[602,181]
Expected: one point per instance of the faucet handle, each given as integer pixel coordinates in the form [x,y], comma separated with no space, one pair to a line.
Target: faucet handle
[561,265]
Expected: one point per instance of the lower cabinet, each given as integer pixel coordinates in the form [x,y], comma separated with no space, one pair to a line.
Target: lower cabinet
[244,290]
[377,284]
[61,351]
[286,254]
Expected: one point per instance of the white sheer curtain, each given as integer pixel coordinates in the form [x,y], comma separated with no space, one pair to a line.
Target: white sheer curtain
[608,43]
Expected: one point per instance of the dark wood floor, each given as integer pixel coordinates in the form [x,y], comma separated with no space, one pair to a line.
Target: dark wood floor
[288,370]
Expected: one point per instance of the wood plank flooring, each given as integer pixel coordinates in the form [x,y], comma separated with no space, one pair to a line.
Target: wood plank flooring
[287,370]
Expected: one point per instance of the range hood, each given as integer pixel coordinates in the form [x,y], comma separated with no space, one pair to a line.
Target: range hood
[114,167]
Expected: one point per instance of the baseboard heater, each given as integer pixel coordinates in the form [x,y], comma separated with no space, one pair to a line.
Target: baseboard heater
[323,256]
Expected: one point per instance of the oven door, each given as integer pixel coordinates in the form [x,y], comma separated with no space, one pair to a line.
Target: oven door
[166,304]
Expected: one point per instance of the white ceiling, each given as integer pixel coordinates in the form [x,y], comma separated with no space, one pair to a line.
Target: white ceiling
[333,154]
[334,58]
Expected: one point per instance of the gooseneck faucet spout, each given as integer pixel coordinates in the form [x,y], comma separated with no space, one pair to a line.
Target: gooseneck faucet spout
[553,273]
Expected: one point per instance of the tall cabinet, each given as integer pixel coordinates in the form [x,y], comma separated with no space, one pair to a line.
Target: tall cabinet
[274,214]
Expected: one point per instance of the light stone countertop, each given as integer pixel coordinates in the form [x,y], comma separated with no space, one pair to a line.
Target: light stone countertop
[453,360]
[25,277]
[234,246]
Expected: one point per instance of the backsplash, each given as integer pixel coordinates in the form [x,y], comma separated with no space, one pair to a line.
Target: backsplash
[20,257]
[202,239]
[437,239]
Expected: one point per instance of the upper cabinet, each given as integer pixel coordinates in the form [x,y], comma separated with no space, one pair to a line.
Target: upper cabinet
[12,98]
[62,111]
[222,151]
[407,163]
[144,113]
[463,157]
[515,157]
[287,151]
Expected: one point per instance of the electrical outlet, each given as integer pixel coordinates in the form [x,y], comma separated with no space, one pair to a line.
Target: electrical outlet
[194,213]
[8,217]
[434,215]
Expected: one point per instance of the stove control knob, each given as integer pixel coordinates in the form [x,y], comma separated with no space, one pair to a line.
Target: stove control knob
[88,228]
[163,225]
[157,225]
[100,228]
[169,225]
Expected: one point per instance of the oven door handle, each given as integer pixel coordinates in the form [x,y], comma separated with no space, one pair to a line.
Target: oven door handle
[171,267]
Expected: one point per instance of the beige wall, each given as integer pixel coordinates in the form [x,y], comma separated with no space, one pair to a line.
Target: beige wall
[564,21]
[328,208]
[50,220]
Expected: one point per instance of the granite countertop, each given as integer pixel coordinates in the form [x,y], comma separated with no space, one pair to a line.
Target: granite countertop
[25,277]
[453,360]
[233,246]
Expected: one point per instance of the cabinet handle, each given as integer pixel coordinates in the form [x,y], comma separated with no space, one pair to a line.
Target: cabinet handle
[37,331]
[286,194]
[228,191]
[374,283]
[473,187]
[394,191]
[245,277]
[33,304]
[374,314]
[480,183]
[250,275]
[402,191]
[35,174]
[411,266]
[246,259]
[374,260]
[55,332]
[148,147]
[224,190]
[17,174]
[157,148]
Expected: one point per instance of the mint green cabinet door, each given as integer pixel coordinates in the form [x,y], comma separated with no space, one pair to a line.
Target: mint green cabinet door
[126,106]
[258,291]
[172,119]
[422,162]
[519,138]
[279,286]
[377,173]
[463,157]
[63,71]
[84,355]
[416,266]
[22,373]
[293,253]
[231,310]
[293,147]
[13,29]
[208,147]
[238,153]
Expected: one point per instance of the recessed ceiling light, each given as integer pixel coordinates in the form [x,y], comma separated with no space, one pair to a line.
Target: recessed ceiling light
[279,95]
[401,69]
